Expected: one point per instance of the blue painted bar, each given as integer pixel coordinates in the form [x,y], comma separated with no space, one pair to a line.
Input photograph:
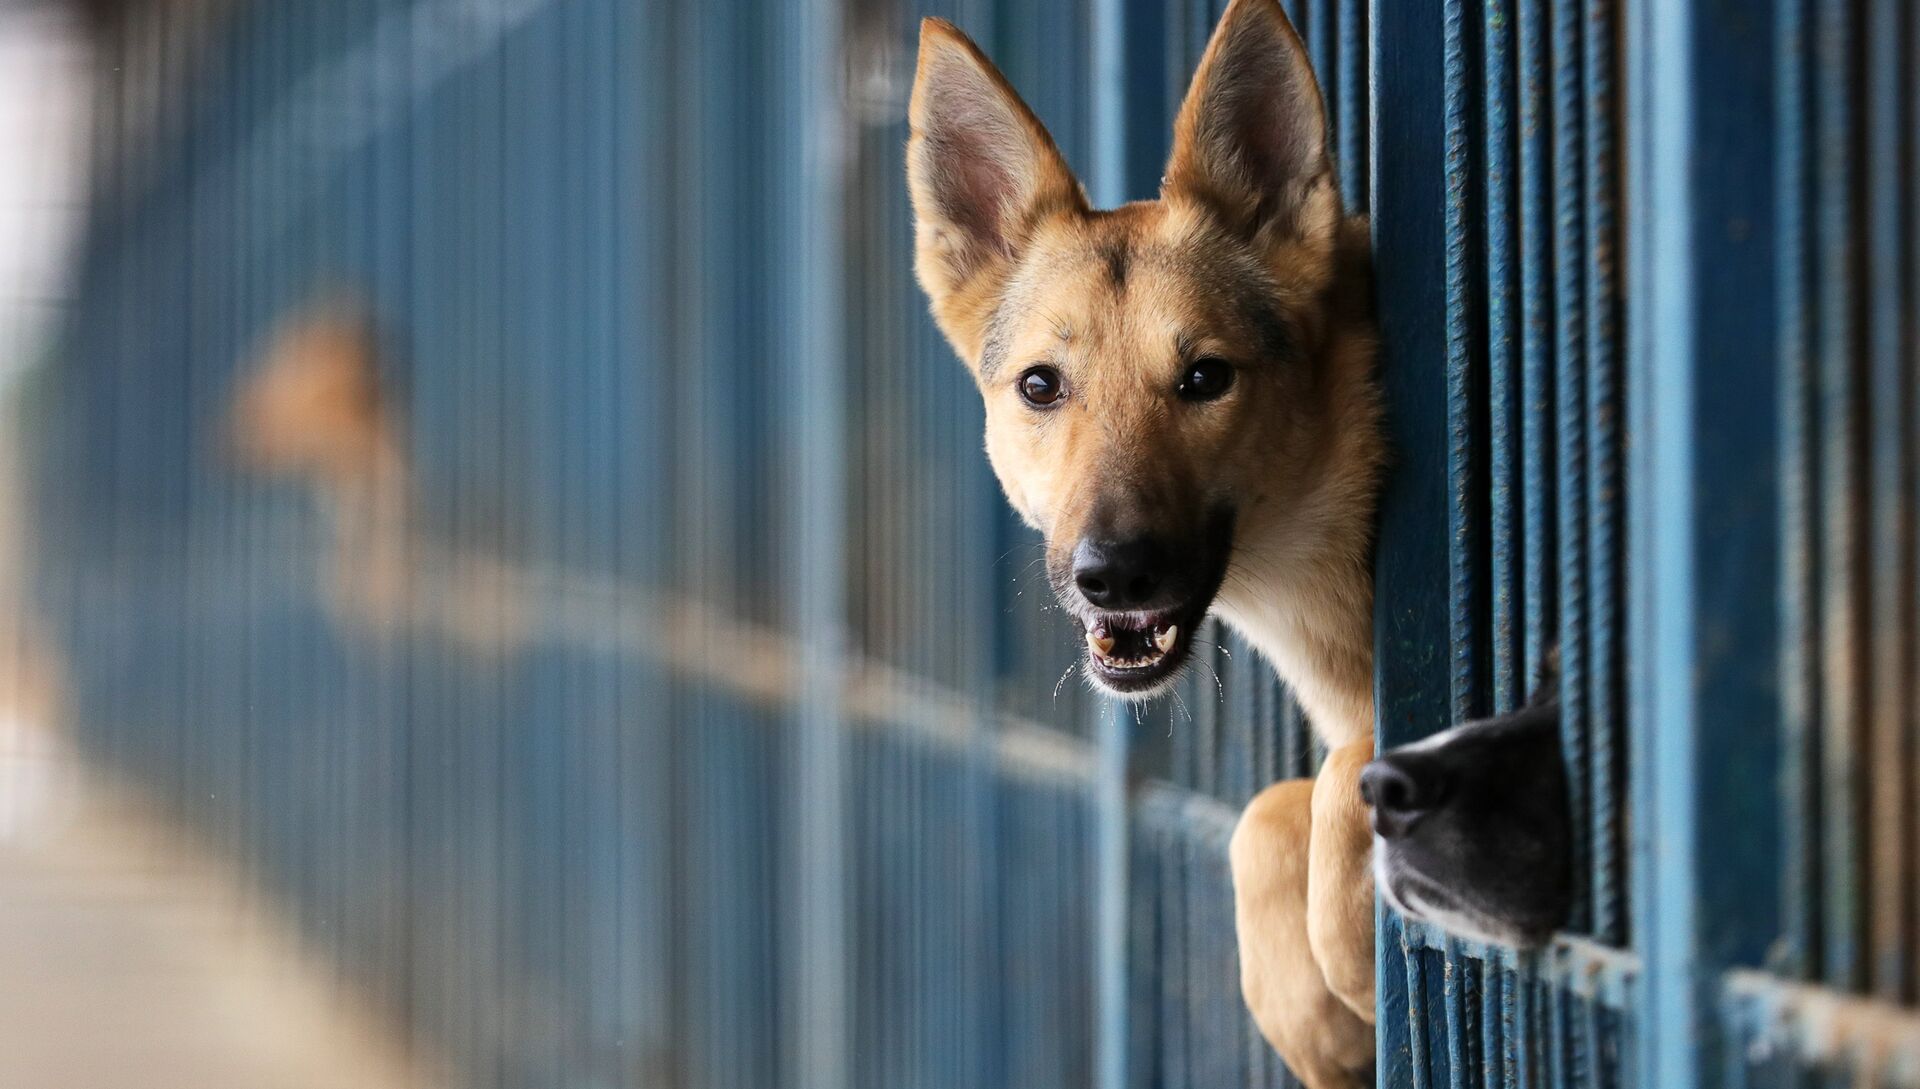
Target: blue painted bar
[1455,1000]
[1538,431]
[1413,668]
[1839,407]
[1604,413]
[1465,472]
[1706,716]
[1799,541]
[1566,169]
[1912,346]
[1506,571]
[1351,102]
[1415,1065]
[818,1030]
[1892,871]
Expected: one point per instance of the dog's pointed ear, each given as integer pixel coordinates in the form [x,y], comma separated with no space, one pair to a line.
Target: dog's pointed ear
[1251,138]
[982,171]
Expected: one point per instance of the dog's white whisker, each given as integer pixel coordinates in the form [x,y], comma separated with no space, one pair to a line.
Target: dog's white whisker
[1064,674]
[1215,674]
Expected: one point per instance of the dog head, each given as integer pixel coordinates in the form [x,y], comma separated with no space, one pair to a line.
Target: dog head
[1156,376]
[1472,830]
[313,407]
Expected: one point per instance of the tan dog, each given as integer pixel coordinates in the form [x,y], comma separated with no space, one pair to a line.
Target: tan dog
[312,410]
[1180,396]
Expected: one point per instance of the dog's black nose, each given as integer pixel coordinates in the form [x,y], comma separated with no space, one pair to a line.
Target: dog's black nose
[1119,574]
[1401,789]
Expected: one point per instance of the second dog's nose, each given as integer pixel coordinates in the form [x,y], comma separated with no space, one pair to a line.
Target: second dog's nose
[1401,791]
[1119,574]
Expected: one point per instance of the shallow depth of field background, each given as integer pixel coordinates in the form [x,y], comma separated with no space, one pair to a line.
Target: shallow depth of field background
[499,585]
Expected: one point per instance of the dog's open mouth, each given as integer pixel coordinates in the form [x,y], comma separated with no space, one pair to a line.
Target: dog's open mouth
[1135,653]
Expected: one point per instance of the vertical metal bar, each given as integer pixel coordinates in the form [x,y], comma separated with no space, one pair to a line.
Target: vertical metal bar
[1522,1041]
[1506,480]
[1417,1062]
[1465,529]
[1352,87]
[649,747]
[1554,1037]
[1701,606]
[819,1032]
[1455,998]
[1411,602]
[1539,434]
[1593,1024]
[1317,30]
[1111,803]
[1109,38]
[1910,349]
[1570,394]
[1144,965]
[1412,667]
[1797,469]
[1175,980]
[1889,409]
[1841,510]
[1495,1031]
[1111,816]
[1602,415]
[1579,1045]
[1731,1013]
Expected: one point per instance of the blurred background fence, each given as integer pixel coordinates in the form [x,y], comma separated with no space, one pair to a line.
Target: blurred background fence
[499,482]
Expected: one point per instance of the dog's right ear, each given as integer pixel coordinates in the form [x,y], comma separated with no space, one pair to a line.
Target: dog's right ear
[983,172]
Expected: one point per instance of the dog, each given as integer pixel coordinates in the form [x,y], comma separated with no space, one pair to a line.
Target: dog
[1471,827]
[310,408]
[1180,396]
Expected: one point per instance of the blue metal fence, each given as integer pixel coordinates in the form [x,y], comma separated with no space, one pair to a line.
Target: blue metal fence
[1496,224]
[722,735]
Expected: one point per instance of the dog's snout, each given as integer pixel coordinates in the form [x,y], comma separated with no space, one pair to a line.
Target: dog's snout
[1401,791]
[1119,574]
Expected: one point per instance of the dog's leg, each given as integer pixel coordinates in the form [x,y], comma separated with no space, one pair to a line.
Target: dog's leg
[1340,879]
[1323,1042]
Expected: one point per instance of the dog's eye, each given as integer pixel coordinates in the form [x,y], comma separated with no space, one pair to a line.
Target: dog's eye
[1205,380]
[1041,387]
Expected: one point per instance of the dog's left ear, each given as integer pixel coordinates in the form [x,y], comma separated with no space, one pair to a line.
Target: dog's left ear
[983,173]
[1251,138]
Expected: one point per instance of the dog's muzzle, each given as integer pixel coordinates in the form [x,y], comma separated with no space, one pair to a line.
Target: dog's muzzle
[1472,828]
[1139,601]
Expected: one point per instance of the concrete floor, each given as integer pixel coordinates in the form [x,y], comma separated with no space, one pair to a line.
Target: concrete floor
[130,960]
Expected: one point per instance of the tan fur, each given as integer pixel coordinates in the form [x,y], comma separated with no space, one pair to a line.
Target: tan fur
[313,410]
[1340,879]
[1324,1043]
[1245,256]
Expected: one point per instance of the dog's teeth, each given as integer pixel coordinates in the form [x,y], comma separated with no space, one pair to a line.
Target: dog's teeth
[1164,639]
[1100,643]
